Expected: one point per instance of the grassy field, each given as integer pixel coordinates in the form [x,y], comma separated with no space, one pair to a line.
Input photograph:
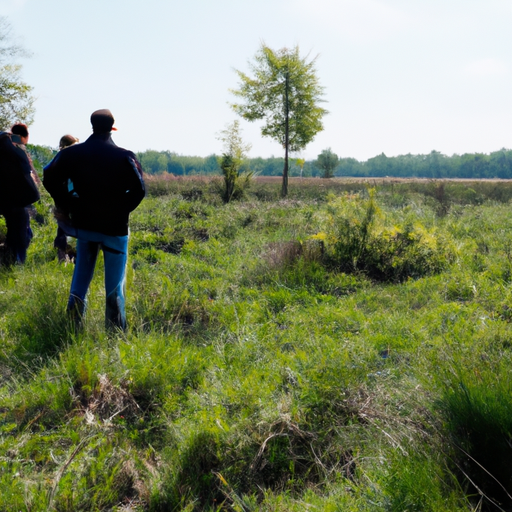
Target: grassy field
[346,349]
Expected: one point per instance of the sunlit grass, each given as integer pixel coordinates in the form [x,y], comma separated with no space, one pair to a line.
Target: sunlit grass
[256,375]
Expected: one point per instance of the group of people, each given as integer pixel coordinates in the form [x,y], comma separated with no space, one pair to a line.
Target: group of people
[95,185]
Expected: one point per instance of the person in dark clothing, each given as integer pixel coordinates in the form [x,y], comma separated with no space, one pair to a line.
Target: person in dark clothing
[63,229]
[98,184]
[19,234]
[19,190]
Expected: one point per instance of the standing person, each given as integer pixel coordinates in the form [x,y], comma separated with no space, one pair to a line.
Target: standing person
[18,190]
[98,184]
[63,229]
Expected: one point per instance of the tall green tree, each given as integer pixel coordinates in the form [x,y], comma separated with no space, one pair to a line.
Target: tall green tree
[285,93]
[16,100]
[327,161]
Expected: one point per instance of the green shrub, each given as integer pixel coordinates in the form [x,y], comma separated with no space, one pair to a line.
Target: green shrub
[358,240]
[235,181]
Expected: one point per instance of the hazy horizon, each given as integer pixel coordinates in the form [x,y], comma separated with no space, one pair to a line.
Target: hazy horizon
[400,77]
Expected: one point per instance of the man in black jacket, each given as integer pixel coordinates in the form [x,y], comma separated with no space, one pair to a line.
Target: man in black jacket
[98,184]
[18,190]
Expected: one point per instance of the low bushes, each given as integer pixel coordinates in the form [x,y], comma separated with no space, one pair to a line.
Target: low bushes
[360,239]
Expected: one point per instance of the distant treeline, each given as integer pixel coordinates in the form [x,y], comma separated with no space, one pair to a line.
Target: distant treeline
[158,162]
[434,165]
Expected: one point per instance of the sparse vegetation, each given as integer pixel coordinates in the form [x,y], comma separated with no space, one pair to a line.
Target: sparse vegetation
[236,175]
[345,349]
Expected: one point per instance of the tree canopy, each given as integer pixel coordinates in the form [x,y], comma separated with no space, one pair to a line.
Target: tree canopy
[327,161]
[285,93]
[16,100]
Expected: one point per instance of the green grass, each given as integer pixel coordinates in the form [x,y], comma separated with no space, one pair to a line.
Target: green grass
[261,372]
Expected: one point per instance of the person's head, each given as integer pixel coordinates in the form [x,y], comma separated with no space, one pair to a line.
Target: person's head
[67,140]
[21,130]
[102,121]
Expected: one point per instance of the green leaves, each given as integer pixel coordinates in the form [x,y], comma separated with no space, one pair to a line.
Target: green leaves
[285,93]
[360,239]
[16,100]
[232,163]
[285,90]
[327,161]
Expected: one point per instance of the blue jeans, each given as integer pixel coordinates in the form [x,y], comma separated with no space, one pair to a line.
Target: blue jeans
[115,255]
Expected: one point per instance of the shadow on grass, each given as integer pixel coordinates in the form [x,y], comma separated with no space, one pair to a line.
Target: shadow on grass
[478,421]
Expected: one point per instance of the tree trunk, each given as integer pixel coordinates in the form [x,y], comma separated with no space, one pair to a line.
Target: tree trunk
[284,190]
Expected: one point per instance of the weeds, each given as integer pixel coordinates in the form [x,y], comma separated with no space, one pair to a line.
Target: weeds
[342,350]
[357,240]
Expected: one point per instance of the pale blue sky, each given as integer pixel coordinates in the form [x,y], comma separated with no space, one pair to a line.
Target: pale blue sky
[400,76]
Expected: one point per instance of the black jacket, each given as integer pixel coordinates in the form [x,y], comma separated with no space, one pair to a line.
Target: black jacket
[17,188]
[97,183]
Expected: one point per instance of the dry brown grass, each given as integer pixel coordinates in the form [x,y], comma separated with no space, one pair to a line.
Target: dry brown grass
[321,181]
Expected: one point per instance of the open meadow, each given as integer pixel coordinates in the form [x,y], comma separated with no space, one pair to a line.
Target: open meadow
[346,349]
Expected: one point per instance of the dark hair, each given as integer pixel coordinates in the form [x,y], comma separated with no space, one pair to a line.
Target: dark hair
[67,140]
[102,121]
[20,129]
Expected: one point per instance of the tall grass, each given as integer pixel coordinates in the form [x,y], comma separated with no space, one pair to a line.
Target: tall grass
[476,406]
[267,367]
